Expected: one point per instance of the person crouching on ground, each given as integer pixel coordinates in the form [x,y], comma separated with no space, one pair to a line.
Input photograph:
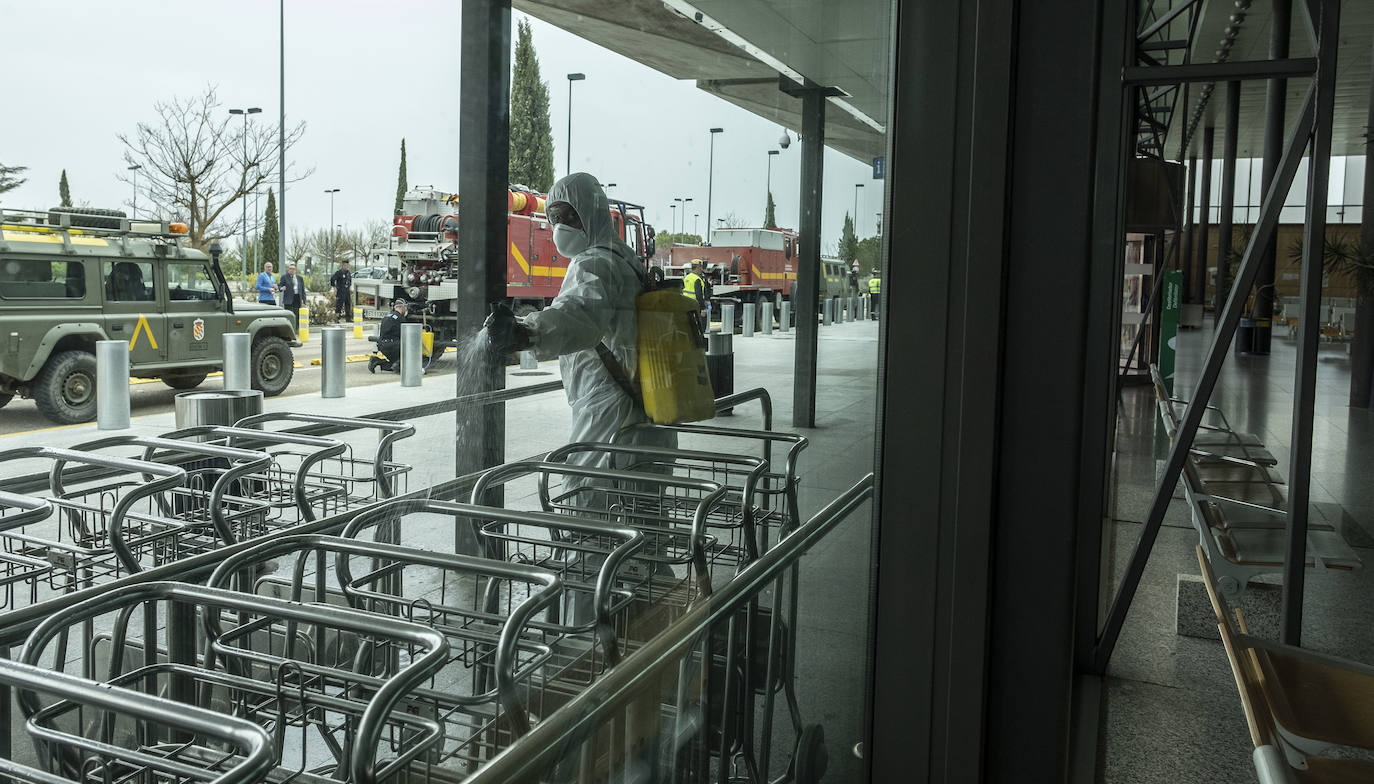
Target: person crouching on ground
[389,339]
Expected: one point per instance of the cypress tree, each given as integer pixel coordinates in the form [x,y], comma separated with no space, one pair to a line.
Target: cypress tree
[64,192]
[770,218]
[849,243]
[531,136]
[270,234]
[401,186]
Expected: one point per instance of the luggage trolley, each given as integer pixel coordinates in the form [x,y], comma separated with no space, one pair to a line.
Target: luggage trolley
[362,480]
[286,485]
[18,569]
[211,748]
[499,654]
[758,650]
[241,655]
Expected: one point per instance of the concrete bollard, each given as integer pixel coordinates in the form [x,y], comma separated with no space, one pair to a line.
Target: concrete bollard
[412,360]
[333,361]
[304,335]
[854,304]
[785,316]
[727,317]
[527,361]
[111,384]
[827,308]
[767,316]
[747,328]
[238,359]
[357,323]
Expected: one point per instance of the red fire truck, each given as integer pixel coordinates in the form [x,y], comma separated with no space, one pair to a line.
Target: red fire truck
[754,265]
[422,256]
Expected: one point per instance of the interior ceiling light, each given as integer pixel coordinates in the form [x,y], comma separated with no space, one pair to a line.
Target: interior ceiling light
[690,11]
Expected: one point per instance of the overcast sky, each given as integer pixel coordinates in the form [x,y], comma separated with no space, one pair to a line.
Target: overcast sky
[361,75]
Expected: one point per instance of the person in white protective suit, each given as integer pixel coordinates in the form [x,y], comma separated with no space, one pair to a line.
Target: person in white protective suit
[596,304]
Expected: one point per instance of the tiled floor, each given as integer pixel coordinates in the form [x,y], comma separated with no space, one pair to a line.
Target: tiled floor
[1173,714]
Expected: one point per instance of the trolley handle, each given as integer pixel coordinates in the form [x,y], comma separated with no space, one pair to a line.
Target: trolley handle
[431,648]
[325,448]
[631,542]
[391,433]
[714,493]
[768,437]
[164,477]
[550,588]
[242,463]
[31,510]
[253,746]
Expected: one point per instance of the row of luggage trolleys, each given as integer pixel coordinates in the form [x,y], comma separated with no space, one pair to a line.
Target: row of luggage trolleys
[377,651]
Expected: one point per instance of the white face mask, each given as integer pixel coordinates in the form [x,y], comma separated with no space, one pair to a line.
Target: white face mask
[568,240]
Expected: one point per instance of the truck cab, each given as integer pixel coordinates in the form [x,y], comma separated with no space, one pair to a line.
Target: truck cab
[69,279]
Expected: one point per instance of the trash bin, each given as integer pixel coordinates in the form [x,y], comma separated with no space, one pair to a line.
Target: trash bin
[720,365]
[1245,336]
[224,407]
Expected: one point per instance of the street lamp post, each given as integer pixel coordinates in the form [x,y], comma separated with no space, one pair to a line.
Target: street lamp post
[696,226]
[673,223]
[331,192]
[857,186]
[135,169]
[281,135]
[711,175]
[769,179]
[683,204]
[572,77]
[243,246]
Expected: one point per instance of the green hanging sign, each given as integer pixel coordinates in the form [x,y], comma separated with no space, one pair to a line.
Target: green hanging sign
[1168,324]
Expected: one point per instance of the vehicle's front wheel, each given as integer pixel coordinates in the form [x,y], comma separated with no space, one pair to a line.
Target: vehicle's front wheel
[65,388]
[273,365]
[184,381]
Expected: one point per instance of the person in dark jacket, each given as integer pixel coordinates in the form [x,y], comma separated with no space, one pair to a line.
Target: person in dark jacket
[342,283]
[292,288]
[389,339]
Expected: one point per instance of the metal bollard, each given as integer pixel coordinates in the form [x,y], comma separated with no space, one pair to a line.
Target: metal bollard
[785,316]
[720,365]
[357,323]
[411,358]
[849,310]
[111,384]
[854,303]
[527,361]
[238,358]
[747,328]
[304,335]
[333,361]
[727,317]
[767,316]
[827,307]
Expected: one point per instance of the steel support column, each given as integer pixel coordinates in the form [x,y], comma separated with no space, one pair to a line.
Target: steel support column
[1187,259]
[1260,241]
[1274,108]
[1326,17]
[809,257]
[1204,221]
[484,127]
[1362,345]
[1228,195]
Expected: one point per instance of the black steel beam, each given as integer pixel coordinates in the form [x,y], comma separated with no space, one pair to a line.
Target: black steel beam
[1155,46]
[1309,326]
[1262,237]
[1276,97]
[1277,68]
[1229,147]
[1163,21]
[1189,258]
[809,259]
[483,178]
[1204,217]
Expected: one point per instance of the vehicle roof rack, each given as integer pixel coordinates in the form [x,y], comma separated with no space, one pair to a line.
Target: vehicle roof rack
[58,221]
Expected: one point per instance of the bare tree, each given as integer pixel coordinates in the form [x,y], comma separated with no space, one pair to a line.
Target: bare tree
[733,221]
[299,246]
[196,163]
[9,179]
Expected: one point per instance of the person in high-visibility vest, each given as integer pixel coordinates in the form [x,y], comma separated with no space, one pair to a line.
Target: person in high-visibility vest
[875,293]
[694,287]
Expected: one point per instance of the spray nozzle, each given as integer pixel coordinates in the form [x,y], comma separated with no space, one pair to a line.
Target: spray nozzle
[504,332]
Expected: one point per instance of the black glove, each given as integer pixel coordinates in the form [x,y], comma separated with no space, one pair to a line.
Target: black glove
[504,333]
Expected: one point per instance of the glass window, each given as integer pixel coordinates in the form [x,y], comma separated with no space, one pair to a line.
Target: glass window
[190,282]
[42,279]
[129,281]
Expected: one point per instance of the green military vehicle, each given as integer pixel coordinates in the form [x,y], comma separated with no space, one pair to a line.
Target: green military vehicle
[71,277]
